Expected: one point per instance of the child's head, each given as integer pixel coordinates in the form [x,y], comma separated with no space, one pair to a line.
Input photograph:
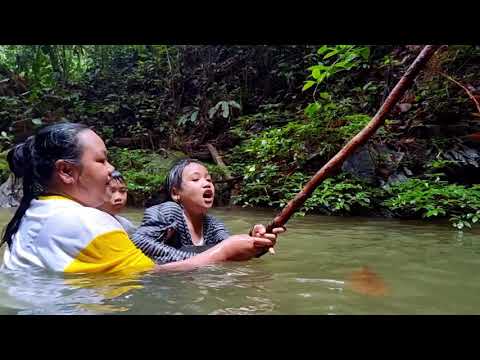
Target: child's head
[116,197]
[189,184]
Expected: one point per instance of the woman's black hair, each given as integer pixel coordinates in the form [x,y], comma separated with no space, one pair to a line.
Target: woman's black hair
[34,162]
[174,177]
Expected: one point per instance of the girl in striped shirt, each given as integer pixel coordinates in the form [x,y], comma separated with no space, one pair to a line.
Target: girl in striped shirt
[181,227]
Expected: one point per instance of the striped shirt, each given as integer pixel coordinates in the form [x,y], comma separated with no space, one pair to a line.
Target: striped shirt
[152,236]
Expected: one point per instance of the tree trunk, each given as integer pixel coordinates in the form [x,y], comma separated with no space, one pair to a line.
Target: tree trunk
[218,160]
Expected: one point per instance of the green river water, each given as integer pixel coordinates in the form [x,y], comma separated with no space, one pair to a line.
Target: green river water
[425,268]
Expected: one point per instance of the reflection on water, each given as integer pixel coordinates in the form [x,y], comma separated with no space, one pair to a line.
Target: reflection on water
[323,265]
[39,293]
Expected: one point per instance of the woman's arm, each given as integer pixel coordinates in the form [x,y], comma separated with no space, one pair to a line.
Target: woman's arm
[234,248]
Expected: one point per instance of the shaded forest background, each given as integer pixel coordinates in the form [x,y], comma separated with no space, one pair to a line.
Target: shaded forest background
[274,115]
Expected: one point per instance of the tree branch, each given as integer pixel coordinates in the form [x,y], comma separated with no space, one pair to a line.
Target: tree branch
[395,95]
[470,95]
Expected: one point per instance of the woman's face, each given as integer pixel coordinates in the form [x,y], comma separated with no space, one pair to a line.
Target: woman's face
[94,175]
[197,191]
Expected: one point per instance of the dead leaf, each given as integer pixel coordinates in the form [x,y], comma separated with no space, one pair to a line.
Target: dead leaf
[404,107]
[473,137]
[367,282]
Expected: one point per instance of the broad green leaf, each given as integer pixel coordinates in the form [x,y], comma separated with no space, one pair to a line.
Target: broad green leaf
[325,95]
[308,85]
[226,109]
[323,49]
[194,116]
[330,54]
[365,53]
[322,77]
[235,104]
[316,73]
[319,66]
[350,57]
[212,112]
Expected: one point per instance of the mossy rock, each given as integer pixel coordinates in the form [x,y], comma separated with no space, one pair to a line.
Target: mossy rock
[4,168]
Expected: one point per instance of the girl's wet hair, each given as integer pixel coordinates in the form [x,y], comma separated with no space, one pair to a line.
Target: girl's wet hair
[174,178]
[117,176]
[34,162]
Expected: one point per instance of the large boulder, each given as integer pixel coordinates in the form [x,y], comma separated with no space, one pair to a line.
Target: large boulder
[377,164]
[464,163]
[361,164]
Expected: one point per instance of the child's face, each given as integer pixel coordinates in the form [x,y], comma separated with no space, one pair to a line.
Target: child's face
[116,197]
[197,191]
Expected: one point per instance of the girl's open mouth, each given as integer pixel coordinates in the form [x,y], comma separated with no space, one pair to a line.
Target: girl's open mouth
[208,195]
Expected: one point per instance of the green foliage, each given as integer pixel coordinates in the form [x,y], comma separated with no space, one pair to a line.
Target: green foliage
[266,159]
[143,184]
[165,96]
[438,164]
[271,160]
[339,195]
[334,60]
[292,142]
[283,143]
[144,171]
[465,220]
[269,117]
[355,123]
[217,172]
[45,65]
[6,140]
[225,107]
[260,188]
[189,118]
[435,199]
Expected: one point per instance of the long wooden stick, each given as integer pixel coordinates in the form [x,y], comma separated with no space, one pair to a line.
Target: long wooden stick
[395,95]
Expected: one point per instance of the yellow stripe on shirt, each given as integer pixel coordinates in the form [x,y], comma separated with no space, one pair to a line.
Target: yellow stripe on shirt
[54,197]
[109,252]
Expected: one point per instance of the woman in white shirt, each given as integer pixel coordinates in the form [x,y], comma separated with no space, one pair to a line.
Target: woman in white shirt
[57,227]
